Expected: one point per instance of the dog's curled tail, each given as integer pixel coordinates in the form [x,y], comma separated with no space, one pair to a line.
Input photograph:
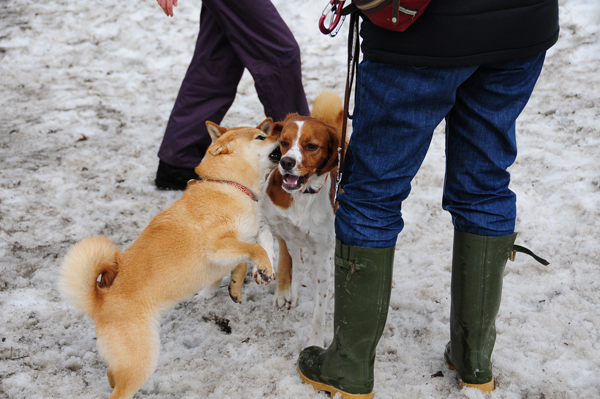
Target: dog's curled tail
[328,108]
[89,267]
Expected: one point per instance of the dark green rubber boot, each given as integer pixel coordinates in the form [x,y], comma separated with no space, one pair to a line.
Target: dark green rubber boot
[477,270]
[363,284]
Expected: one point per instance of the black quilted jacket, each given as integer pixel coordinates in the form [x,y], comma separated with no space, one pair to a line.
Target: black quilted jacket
[455,33]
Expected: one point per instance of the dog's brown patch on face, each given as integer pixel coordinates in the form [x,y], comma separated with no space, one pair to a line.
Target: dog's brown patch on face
[317,141]
[278,195]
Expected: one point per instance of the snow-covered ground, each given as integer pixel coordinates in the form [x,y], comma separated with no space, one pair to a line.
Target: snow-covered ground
[86,88]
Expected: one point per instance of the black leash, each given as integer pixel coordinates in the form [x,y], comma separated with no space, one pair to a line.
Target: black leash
[353,57]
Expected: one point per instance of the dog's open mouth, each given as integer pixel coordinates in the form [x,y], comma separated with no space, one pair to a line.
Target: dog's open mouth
[275,156]
[292,182]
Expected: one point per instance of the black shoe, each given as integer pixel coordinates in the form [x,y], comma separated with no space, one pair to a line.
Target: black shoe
[173,178]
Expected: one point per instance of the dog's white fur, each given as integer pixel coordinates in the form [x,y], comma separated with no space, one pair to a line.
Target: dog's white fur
[304,222]
[306,230]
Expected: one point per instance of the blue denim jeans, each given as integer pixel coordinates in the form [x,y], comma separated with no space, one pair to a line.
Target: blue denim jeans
[396,111]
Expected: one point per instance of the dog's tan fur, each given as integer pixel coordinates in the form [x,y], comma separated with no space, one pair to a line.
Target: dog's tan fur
[192,245]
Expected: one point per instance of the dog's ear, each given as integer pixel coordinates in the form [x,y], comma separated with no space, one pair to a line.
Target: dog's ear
[277,128]
[214,130]
[333,145]
[266,126]
[220,148]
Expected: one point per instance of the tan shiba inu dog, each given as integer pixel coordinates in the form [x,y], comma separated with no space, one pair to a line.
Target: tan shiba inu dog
[213,228]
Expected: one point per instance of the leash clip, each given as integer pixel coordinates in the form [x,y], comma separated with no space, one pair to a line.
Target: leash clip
[333,12]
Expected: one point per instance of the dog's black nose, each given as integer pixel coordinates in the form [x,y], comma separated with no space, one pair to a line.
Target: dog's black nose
[287,163]
[275,156]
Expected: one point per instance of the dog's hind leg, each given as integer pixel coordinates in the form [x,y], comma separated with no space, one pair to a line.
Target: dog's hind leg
[131,351]
[237,280]
[283,296]
[211,291]
[111,377]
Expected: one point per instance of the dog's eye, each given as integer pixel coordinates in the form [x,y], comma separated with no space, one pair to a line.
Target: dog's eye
[284,144]
[261,137]
[312,147]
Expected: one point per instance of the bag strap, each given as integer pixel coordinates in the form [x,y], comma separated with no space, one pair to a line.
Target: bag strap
[527,251]
[349,9]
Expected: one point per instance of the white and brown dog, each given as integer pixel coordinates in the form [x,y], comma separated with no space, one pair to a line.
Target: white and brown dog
[299,208]
[212,229]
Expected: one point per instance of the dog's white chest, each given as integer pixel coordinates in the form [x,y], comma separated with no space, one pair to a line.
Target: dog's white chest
[307,222]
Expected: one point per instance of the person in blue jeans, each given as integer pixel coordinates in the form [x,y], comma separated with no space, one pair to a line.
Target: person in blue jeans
[234,35]
[473,64]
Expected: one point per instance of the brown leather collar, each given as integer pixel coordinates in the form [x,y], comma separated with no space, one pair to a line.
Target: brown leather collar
[243,189]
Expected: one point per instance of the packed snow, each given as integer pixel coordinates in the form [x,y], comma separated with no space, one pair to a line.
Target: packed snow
[86,88]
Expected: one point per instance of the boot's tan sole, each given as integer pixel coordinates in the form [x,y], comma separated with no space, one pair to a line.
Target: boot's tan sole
[486,387]
[332,390]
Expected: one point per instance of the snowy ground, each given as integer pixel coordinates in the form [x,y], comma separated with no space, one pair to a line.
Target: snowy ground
[86,88]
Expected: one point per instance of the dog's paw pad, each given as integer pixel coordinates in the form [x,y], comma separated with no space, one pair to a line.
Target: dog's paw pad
[263,276]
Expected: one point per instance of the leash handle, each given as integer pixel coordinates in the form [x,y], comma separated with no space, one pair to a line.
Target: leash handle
[353,56]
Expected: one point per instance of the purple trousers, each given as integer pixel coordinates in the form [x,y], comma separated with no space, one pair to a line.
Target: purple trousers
[234,34]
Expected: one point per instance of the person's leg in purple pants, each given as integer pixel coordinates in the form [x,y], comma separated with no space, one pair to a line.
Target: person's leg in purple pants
[234,34]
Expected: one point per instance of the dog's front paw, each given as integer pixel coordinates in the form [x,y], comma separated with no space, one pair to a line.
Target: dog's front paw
[283,300]
[262,276]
